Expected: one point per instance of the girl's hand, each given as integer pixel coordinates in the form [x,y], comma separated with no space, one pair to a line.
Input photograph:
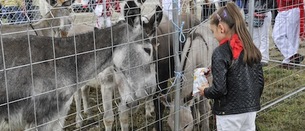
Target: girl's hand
[207,73]
[201,89]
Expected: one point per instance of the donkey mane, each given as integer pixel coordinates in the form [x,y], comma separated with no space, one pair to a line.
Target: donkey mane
[109,39]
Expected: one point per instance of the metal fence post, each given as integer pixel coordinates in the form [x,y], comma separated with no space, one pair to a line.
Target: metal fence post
[175,11]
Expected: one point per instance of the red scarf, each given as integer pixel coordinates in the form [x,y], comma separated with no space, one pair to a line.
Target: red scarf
[236,45]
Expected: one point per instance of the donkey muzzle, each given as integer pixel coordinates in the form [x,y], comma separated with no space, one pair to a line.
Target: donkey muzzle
[132,104]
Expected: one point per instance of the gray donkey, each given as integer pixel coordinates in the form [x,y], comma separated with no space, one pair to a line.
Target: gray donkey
[39,75]
[195,52]
[56,22]
[108,80]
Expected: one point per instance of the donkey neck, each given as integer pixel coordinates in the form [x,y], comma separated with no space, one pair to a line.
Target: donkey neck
[47,21]
[47,24]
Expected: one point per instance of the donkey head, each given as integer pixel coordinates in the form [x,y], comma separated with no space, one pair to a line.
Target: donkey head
[61,16]
[135,71]
[132,14]
[134,64]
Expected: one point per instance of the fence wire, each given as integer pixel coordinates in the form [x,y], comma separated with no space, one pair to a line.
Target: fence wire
[87,108]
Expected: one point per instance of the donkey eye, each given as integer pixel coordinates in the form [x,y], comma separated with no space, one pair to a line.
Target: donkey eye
[147,50]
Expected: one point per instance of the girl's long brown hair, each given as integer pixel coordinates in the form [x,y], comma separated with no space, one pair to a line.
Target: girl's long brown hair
[230,14]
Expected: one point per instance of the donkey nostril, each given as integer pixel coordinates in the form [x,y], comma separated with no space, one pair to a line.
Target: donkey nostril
[185,126]
[128,104]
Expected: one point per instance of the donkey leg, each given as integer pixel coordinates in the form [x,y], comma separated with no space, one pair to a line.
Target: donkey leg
[124,116]
[85,95]
[59,117]
[108,117]
[149,107]
[204,109]
[28,127]
[77,98]
[126,99]
[159,109]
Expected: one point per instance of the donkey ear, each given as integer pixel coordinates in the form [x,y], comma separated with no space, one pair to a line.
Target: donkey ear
[159,14]
[154,21]
[132,13]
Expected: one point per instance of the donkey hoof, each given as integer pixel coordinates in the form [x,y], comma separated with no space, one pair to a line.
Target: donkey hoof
[78,124]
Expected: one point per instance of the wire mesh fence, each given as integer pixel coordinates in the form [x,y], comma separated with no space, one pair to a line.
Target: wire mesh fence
[281,83]
[123,77]
[18,13]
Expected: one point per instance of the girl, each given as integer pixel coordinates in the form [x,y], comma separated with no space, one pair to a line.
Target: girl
[237,72]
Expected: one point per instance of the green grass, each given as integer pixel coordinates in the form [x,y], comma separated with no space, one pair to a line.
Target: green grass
[279,82]
[289,115]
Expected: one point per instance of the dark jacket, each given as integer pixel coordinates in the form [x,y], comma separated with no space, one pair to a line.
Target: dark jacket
[236,87]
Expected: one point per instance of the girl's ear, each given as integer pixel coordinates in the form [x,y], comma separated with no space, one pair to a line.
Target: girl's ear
[221,28]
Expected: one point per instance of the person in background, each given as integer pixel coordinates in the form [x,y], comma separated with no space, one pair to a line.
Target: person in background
[238,79]
[210,6]
[243,4]
[88,5]
[13,10]
[286,32]
[1,14]
[261,33]
[167,6]
[188,5]
[105,17]
[32,10]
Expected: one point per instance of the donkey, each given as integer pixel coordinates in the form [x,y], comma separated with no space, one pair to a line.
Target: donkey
[115,82]
[165,64]
[196,54]
[95,83]
[55,23]
[41,74]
